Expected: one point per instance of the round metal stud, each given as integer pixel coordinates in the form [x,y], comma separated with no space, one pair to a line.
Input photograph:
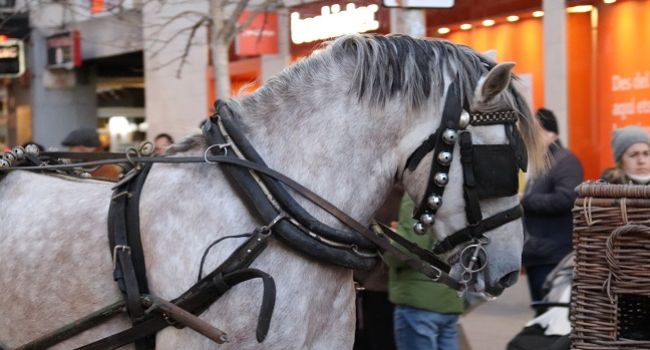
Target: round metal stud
[449,136]
[441,179]
[19,151]
[32,149]
[419,228]
[427,219]
[10,157]
[464,120]
[434,202]
[4,163]
[444,158]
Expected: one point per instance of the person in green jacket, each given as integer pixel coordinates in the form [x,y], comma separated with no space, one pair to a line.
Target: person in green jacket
[426,313]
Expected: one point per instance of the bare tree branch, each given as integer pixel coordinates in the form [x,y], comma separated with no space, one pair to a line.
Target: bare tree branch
[186,51]
[227,31]
[164,42]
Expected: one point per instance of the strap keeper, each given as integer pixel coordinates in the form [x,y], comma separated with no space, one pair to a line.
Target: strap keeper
[220,284]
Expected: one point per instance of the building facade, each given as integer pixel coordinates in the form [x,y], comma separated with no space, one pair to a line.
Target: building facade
[585,59]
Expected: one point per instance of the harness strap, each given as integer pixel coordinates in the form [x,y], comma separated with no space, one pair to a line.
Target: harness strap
[123,272]
[71,329]
[472,203]
[200,296]
[427,146]
[413,248]
[268,298]
[133,227]
[233,128]
[450,119]
[81,155]
[517,144]
[126,246]
[472,232]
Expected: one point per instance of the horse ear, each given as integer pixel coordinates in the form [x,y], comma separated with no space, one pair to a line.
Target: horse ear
[495,81]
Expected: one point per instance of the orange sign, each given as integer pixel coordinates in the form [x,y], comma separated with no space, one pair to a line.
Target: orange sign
[520,42]
[97,6]
[260,37]
[623,96]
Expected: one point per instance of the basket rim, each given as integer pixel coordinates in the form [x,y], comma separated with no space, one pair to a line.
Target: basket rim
[606,190]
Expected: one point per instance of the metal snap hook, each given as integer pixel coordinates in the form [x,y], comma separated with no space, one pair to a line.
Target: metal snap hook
[221,146]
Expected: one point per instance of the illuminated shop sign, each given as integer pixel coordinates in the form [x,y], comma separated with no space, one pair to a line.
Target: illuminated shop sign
[333,22]
[12,58]
[420,3]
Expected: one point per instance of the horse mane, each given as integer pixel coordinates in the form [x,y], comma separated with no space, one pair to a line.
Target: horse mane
[401,66]
[381,69]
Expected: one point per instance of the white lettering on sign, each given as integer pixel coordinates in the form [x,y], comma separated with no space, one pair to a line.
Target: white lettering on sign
[333,22]
[623,109]
[641,80]
[9,52]
[620,84]
[256,32]
[636,91]
[59,41]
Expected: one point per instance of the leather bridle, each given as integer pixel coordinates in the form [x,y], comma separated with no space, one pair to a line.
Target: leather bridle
[489,171]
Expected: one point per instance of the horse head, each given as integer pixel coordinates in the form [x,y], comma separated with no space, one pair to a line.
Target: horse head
[471,204]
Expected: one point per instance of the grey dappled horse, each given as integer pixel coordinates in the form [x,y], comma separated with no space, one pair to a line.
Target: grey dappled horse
[342,122]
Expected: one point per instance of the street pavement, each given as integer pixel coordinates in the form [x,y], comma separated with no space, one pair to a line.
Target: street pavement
[492,324]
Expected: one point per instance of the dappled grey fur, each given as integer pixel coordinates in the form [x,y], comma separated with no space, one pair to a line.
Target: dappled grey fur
[342,122]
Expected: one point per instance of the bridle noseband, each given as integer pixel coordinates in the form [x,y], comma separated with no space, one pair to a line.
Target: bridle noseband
[489,171]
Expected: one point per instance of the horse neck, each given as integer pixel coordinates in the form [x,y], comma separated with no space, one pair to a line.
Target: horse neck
[340,151]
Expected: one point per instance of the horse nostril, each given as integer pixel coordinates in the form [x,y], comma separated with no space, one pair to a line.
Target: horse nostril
[509,279]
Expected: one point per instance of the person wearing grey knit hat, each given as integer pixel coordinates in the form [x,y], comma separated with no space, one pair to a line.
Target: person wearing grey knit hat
[631,146]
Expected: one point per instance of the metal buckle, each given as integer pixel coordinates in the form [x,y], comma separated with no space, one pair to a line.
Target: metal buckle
[125,248]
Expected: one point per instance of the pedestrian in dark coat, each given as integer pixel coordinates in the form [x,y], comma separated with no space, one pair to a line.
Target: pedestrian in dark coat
[547,201]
